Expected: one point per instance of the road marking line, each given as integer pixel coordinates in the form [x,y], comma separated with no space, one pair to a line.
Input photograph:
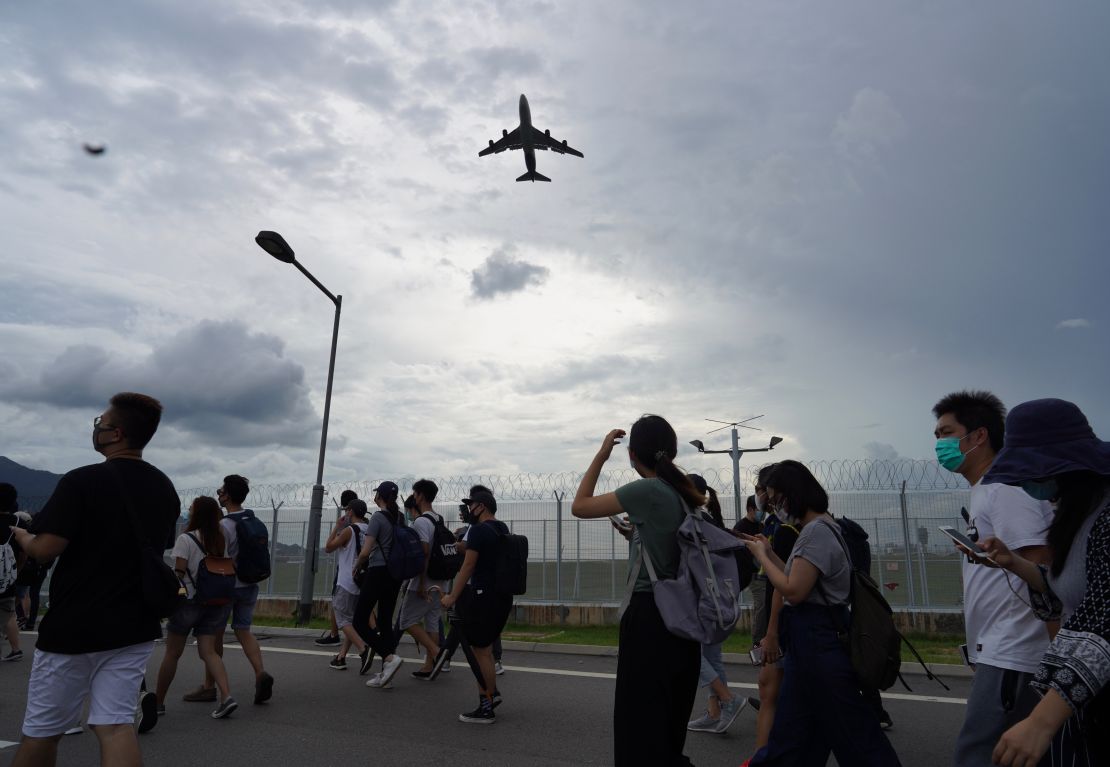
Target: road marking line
[606,675]
[6,744]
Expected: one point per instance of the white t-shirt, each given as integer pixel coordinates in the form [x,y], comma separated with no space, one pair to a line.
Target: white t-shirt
[1002,631]
[228,526]
[185,548]
[345,559]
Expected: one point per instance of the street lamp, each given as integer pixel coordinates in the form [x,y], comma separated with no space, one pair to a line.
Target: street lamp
[736,452]
[274,244]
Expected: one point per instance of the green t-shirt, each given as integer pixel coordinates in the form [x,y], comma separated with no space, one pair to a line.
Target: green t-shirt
[656,511]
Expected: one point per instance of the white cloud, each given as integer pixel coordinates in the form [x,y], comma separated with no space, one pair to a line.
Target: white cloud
[1072,324]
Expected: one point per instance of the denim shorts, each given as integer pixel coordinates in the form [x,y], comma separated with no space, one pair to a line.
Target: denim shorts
[242,609]
[202,620]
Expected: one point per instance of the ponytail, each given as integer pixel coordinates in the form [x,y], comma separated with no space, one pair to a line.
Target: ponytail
[713,506]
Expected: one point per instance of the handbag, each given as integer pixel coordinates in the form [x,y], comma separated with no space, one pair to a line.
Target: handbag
[162,592]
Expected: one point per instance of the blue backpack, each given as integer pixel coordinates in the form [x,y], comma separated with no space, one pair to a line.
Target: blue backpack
[215,581]
[252,562]
[405,558]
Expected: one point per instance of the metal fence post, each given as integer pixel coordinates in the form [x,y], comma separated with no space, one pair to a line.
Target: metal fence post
[559,496]
[906,545]
[543,576]
[273,548]
[577,558]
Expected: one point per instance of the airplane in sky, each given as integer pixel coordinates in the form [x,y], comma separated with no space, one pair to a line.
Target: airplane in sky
[529,139]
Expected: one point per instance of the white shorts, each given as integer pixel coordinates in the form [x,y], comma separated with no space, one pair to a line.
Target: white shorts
[60,685]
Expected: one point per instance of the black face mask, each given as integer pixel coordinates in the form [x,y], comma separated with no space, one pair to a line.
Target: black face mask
[464,514]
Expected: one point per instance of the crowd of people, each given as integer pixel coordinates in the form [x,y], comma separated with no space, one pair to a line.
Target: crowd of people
[1036,579]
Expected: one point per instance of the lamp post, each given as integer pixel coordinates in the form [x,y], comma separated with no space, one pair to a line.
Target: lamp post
[274,244]
[736,452]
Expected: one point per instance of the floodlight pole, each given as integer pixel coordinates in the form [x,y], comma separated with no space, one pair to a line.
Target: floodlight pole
[735,452]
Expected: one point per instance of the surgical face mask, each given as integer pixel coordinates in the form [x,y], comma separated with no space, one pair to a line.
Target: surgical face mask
[949,454]
[781,512]
[1041,491]
[759,504]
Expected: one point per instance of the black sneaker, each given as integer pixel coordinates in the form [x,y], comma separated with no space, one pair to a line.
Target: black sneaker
[14,655]
[148,711]
[339,664]
[327,640]
[754,703]
[225,708]
[367,657]
[422,675]
[496,699]
[480,715]
[885,722]
[263,689]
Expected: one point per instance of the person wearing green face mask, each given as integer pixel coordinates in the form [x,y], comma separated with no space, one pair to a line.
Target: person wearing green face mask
[1004,638]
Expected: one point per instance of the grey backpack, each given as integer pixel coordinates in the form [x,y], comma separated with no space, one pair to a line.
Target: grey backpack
[702,601]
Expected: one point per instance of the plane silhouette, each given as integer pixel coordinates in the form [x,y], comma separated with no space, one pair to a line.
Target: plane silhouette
[529,139]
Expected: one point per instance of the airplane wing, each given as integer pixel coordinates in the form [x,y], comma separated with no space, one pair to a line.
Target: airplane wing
[511,140]
[542,140]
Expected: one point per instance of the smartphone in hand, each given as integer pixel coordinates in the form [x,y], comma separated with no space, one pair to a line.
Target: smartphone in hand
[620,523]
[965,543]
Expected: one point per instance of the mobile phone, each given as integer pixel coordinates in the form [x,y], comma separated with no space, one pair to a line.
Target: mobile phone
[619,523]
[964,541]
[756,654]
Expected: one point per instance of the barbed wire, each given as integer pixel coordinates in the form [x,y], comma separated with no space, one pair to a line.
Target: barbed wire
[837,476]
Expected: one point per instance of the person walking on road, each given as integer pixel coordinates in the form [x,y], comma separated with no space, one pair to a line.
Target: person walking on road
[377,588]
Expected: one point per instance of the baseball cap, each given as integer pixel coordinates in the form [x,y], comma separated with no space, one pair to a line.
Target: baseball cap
[486,499]
[387,489]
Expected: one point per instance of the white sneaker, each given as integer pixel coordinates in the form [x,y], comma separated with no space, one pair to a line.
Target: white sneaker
[376,681]
[498,668]
[389,668]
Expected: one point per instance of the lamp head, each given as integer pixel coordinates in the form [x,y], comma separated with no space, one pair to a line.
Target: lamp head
[274,244]
[774,441]
[698,444]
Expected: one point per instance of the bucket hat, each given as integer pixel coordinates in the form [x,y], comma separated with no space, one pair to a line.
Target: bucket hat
[1046,437]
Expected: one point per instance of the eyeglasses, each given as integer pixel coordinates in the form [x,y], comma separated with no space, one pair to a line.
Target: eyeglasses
[100,420]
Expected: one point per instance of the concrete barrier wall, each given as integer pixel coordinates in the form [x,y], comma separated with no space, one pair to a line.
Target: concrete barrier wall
[578,614]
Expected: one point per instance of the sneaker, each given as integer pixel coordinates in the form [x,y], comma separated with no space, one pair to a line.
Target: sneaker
[379,682]
[495,699]
[423,676]
[729,711]
[339,664]
[704,723]
[12,656]
[498,668]
[200,695]
[327,640]
[480,715]
[263,688]
[148,711]
[225,708]
[367,658]
[885,722]
[754,703]
[389,668]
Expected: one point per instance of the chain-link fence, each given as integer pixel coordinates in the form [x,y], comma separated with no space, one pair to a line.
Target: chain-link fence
[899,503]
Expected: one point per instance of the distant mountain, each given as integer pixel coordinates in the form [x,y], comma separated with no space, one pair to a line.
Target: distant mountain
[33,485]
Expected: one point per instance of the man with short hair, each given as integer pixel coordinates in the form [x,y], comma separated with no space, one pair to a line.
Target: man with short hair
[331,637]
[345,541]
[1005,640]
[484,608]
[420,608]
[96,637]
[231,495]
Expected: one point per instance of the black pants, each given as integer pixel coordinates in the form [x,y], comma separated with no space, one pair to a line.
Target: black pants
[657,681]
[377,588]
[455,638]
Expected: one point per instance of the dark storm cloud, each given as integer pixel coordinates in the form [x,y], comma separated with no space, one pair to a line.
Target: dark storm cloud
[217,380]
[503,273]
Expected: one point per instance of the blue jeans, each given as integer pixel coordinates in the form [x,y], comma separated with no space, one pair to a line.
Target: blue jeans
[820,708]
[242,608]
[712,665]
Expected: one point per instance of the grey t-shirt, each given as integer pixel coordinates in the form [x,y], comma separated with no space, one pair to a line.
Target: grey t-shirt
[656,510]
[819,545]
[380,528]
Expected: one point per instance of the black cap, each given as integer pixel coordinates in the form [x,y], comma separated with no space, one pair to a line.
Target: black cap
[486,499]
[387,490]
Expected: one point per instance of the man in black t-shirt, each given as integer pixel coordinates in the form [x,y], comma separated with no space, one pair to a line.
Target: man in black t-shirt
[96,636]
[484,609]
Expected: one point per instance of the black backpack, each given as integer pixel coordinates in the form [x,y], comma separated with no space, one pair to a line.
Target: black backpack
[405,557]
[444,558]
[873,642]
[252,561]
[855,538]
[215,581]
[511,574]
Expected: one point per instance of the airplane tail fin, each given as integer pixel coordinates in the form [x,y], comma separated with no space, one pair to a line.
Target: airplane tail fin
[533,176]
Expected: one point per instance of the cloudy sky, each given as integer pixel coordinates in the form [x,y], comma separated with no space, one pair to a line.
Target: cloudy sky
[830,213]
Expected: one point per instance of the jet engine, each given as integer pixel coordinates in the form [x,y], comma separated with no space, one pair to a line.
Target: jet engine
[504,133]
[547,133]
[491,142]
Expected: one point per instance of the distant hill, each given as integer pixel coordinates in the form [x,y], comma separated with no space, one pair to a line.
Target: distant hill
[34,485]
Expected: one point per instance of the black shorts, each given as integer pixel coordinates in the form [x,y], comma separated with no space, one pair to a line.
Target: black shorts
[485,614]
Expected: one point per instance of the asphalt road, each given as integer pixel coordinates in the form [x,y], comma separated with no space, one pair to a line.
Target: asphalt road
[557,711]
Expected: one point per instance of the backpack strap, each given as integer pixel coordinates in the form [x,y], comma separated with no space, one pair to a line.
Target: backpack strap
[198,543]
